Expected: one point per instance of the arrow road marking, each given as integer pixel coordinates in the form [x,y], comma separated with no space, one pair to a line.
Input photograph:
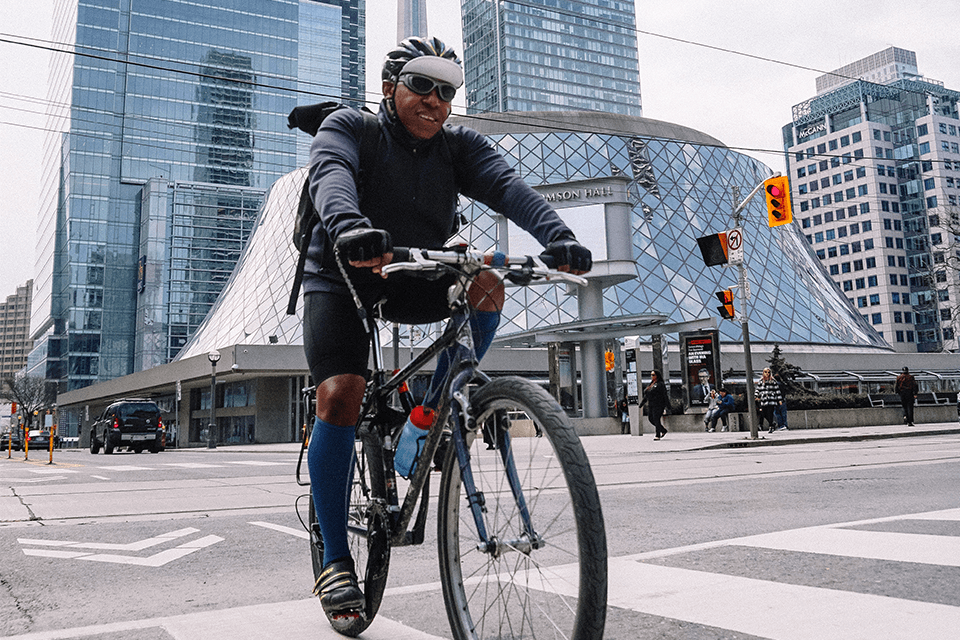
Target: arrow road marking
[140,545]
[66,547]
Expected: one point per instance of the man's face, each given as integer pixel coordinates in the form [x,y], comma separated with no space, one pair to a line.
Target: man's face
[423,116]
[704,378]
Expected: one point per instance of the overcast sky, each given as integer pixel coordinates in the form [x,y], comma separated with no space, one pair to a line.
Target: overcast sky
[693,72]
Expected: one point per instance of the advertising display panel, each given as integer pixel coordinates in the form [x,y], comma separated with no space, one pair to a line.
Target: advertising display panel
[700,362]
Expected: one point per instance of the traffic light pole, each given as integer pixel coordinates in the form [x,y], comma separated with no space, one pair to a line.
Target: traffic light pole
[744,323]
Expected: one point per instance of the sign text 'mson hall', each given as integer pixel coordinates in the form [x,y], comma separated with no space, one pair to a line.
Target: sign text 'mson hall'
[577,194]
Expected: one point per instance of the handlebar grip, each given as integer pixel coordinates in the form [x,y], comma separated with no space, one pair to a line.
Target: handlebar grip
[401,254]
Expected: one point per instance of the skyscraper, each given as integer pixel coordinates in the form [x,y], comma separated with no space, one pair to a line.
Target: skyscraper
[411,18]
[539,55]
[172,121]
[875,174]
[14,335]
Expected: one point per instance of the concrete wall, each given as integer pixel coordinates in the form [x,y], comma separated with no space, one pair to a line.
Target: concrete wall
[273,419]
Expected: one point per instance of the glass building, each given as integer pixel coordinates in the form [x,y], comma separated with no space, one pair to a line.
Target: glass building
[679,188]
[171,121]
[544,55]
[875,175]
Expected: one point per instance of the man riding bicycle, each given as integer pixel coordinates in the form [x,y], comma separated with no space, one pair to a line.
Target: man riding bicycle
[408,198]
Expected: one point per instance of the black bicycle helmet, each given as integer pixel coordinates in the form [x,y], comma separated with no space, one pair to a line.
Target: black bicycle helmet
[416,47]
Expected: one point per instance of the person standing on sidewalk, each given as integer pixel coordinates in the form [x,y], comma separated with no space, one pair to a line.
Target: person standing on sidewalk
[768,398]
[655,397]
[907,389]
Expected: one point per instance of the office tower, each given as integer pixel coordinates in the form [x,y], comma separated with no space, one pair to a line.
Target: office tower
[172,124]
[875,176]
[15,341]
[539,55]
[411,18]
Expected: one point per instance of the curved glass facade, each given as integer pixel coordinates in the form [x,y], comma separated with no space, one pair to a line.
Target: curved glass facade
[680,185]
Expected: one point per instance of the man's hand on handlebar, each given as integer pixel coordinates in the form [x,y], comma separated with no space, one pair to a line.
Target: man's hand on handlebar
[569,256]
[366,248]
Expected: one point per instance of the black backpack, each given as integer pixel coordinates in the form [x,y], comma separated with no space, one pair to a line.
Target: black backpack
[308,119]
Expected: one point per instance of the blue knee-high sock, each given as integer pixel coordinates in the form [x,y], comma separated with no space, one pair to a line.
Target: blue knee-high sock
[330,461]
[483,326]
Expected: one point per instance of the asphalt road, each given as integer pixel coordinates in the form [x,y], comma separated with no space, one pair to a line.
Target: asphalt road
[849,539]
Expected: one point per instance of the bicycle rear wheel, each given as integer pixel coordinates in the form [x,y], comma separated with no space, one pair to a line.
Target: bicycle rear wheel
[555,587]
[369,537]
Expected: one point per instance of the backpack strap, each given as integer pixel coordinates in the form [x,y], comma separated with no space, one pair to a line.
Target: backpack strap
[369,143]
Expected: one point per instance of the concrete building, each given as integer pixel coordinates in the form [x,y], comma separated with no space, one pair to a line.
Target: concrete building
[173,116]
[539,55]
[875,172]
[15,343]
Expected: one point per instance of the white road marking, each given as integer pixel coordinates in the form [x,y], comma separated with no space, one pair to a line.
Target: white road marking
[51,471]
[157,559]
[100,477]
[299,533]
[139,545]
[192,465]
[777,611]
[256,463]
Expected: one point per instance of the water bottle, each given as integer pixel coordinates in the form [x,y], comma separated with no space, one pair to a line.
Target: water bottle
[411,440]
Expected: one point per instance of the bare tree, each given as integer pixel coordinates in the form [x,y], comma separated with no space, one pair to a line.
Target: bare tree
[32,395]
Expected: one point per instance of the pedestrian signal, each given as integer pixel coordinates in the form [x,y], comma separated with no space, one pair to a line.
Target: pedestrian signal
[777,191]
[714,249]
[608,360]
[727,312]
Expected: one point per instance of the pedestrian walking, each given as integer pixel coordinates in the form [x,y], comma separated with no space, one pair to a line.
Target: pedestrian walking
[906,387]
[768,397]
[780,412]
[655,397]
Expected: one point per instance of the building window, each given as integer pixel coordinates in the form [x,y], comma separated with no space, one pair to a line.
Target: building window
[805,223]
[875,318]
[871,281]
[924,148]
[899,336]
[910,336]
[848,285]
[895,297]
[858,266]
[845,267]
[861,302]
[874,299]
[936,238]
[922,130]
[834,270]
[868,244]
[858,283]
[864,207]
[871,263]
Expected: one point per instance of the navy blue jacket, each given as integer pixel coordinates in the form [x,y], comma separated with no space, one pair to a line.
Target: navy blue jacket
[412,190]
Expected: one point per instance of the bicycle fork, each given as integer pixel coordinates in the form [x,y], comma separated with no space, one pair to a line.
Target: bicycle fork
[528,539]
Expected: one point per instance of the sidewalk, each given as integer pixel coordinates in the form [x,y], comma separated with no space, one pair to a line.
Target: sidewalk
[687,441]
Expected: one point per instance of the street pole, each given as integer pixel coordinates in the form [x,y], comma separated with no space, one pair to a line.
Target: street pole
[744,322]
[213,357]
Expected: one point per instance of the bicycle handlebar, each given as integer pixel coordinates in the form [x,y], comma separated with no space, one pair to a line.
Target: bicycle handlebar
[533,267]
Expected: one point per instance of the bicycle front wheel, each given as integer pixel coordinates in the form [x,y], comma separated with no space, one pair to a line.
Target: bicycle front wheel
[548,583]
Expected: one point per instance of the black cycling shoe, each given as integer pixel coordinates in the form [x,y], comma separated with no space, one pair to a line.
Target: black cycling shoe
[338,589]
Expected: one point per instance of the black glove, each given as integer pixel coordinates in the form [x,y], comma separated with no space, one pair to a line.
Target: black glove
[570,253]
[362,243]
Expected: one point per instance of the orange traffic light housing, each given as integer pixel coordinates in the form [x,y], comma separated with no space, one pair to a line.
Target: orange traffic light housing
[727,312]
[777,192]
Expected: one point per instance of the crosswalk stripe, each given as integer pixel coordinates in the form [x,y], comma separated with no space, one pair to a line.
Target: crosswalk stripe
[771,609]
[876,545]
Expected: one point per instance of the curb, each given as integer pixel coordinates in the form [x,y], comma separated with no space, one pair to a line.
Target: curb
[764,442]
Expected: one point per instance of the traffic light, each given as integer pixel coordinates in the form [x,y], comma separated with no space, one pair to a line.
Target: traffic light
[777,191]
[714,249]
[727,312]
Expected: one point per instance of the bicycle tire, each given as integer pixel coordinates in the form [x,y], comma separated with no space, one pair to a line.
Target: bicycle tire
[370,552]
[558,590]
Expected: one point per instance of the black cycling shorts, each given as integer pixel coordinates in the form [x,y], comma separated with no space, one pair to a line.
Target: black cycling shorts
[333,337]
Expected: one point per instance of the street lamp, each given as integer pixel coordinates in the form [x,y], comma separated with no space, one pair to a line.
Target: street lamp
[213,357]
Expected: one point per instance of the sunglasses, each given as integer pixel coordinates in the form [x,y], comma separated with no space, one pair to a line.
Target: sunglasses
[422,85]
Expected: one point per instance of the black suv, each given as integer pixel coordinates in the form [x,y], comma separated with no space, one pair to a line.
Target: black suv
[131,423]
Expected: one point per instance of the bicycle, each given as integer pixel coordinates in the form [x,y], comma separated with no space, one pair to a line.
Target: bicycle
[521,539]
